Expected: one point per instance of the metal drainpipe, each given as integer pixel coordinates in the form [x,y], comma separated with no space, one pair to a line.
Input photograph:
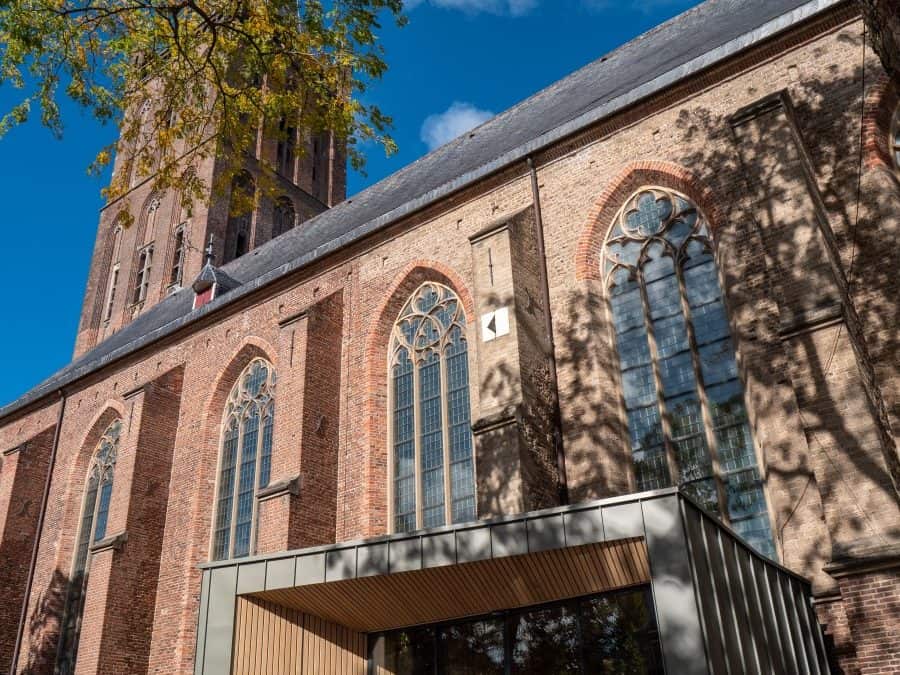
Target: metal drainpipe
[561,481]
[37,536]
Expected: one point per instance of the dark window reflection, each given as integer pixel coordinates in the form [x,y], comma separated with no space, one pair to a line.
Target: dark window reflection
[612,633]
[474,648]
[545,641]
[620,634]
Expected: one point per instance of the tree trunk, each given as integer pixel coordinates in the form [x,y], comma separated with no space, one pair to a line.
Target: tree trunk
[882,19]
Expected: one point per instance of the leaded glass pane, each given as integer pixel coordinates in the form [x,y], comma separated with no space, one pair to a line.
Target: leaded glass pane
[404,445]
[103,510]
[429,366]
[650,468]
[659,257]
[245,488]
[265,458]
[717,362]
[226,492]
[431,441]
[246,460]
[462,470]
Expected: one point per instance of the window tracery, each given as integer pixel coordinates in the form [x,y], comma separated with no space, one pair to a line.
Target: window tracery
[433,470]
[683,399]
[92,528]
[246,459]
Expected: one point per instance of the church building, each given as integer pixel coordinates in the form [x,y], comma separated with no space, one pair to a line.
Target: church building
[608,384]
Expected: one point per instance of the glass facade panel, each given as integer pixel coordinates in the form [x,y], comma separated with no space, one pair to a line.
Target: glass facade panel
[674,342]
[610,633]
[431,431]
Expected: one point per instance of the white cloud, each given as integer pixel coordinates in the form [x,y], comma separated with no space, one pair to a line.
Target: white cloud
[513,7]
[456,120]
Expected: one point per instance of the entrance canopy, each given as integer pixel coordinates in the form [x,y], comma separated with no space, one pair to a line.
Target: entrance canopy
[719,605]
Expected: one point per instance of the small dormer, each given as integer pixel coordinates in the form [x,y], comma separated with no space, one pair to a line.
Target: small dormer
[211,282]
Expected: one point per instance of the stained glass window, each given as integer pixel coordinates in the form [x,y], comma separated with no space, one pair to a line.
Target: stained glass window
[246,460]
[433,479]
[92,528]
[683,399]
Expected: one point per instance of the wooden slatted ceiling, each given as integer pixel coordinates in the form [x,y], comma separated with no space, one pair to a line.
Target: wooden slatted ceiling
[283,641]
[442,593]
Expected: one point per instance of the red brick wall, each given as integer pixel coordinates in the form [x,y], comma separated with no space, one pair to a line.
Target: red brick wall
[22,475]
[334,367]
[872,605]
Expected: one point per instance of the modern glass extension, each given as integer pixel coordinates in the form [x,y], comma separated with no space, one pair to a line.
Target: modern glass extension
[607,633]
[682,395]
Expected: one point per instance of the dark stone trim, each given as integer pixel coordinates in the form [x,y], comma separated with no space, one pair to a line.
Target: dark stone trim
[862,562]
[286,486]
[759,108]
[114,542]
[21,447]
[805,322]
[506,417]
[294,318]
[498,225]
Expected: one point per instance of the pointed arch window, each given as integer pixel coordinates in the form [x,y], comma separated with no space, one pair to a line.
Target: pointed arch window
[240,216]
[246,459]
[683,398]
[94,516]
[284,216]
[433,468]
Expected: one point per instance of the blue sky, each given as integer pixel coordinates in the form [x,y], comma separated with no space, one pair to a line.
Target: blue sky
[456,62]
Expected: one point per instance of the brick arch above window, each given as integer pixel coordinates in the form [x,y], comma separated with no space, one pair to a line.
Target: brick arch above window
[380,331]
[626,183]
[881,126]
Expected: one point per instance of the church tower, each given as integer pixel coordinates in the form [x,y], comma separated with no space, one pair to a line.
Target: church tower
[134,267]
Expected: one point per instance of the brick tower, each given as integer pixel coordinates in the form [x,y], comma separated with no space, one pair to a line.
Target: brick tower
[134,267]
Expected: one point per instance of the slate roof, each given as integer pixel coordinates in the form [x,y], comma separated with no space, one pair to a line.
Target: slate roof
[673,51]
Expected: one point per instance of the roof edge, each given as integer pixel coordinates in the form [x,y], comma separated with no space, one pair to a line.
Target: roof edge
[727,50]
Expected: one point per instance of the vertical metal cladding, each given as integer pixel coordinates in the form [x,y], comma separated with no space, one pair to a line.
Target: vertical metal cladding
[756,616]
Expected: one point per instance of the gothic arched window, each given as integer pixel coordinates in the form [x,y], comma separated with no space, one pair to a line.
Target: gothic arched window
[433,469]
[94,515]
[240,213]
[683,398]
[283,217]
[246,459]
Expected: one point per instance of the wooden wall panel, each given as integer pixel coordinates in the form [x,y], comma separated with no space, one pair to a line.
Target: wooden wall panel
[283,641]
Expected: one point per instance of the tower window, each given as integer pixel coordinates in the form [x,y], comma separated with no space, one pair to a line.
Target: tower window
[142,278]
[177,271]
[683,399]
[246,460]
[240,216]
[433,469]
[111,292]
[286,150]
[283,216]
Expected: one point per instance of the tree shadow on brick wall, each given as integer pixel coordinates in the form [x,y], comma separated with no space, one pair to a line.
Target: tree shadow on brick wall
[865,240]
[43,628]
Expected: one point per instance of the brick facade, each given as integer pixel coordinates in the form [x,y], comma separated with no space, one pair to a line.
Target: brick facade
[766,144]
